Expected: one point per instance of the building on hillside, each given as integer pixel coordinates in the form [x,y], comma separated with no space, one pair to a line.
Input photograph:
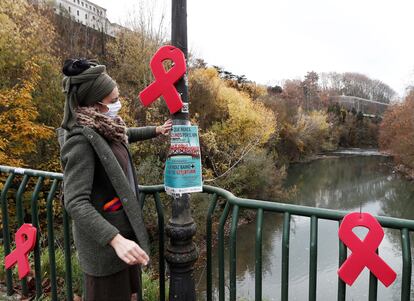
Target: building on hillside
[114,29]
[88,14]
[366,106]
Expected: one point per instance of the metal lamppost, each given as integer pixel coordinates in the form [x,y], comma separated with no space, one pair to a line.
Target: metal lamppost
[181,251]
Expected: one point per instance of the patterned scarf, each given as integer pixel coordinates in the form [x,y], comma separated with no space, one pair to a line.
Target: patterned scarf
[112,129]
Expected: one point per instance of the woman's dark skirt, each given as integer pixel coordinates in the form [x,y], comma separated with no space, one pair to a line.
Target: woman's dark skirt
[116,287]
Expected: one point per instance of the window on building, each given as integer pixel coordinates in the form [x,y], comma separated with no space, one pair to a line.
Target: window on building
[78,1]
[94,9]
[69,8]
[93,26]
[93,17]
[82,4]
[77,12]
[86,16]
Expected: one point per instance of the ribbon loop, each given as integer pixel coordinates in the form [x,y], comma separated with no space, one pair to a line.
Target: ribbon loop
[165,80]
[25,242]
[363,252]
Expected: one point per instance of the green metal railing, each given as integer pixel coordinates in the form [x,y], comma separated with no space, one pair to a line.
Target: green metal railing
[231,210]
[17,181]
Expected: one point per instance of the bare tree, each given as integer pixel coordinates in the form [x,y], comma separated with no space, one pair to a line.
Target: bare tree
[356,84]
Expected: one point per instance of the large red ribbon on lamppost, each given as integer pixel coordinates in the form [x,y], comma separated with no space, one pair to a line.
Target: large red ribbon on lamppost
[165,80]
[25,242]
[363,252]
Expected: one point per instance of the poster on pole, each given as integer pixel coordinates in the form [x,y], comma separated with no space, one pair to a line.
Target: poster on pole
[183,172]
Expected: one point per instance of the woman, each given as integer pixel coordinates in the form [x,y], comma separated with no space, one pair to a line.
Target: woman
[100,186]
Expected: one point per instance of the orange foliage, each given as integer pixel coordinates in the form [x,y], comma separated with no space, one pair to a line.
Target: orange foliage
[397,131]
[18,130]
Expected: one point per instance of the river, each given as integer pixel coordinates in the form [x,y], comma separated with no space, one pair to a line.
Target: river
[349,180]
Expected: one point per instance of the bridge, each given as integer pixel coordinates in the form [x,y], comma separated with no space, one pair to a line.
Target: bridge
[370,108]
[223,207]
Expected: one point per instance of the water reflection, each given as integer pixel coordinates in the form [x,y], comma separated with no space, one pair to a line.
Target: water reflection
[345,183]
[341,183]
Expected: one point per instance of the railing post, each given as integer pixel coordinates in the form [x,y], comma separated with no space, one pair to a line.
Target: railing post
[20,220]
[258,255]
[161,268]
[313,258]
[68,256]
[407,265]
[181,252]
[341,283]
[6,233]
[285,256]
[209,247]
[223,219]
[51,238]
[35,222]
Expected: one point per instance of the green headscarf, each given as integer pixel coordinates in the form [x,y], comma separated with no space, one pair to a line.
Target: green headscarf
[85,89]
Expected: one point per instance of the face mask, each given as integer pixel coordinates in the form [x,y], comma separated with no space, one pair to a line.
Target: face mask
[113,109]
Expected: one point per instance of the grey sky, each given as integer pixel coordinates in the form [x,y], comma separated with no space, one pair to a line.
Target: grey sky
[269,40]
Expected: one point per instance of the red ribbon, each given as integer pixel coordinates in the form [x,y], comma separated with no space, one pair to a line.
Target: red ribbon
[165,80]
[363,252]
[25,242]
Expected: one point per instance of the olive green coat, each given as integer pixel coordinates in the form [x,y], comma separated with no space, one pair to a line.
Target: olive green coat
[92,175]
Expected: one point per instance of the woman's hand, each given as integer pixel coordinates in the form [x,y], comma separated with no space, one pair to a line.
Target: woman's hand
[129,251]
[165,128]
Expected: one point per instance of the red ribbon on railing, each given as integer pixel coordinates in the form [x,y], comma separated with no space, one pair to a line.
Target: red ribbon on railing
[25,242]
[165,80]
[363,252]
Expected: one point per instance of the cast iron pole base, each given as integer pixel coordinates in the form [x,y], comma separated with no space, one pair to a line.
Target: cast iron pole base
[181,252]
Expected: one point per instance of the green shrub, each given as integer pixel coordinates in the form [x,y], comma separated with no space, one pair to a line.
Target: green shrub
[150,287]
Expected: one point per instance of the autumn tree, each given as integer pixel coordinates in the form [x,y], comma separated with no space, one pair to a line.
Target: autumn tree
[356,84]
[128,58]
[234,130]
[235,121]
[241,83]
[311,90]
[18,127]
[397,131]
[30,91]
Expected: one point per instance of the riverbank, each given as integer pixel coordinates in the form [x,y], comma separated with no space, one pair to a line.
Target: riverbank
[406,172]
[403,170]
[342,152]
